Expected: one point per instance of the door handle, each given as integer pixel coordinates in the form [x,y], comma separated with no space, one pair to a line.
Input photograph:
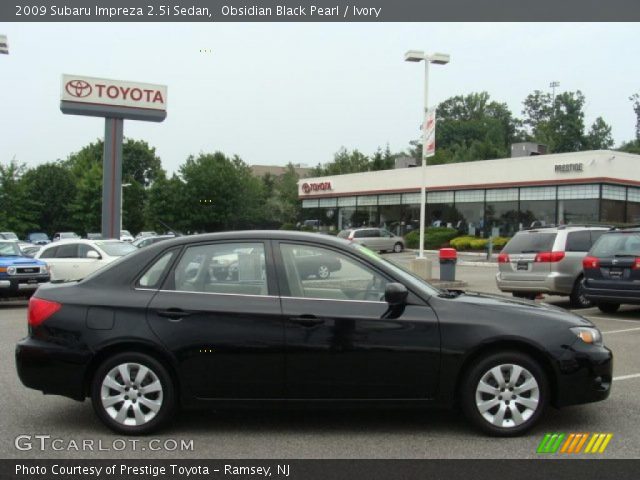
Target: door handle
[307,320]
[173,313]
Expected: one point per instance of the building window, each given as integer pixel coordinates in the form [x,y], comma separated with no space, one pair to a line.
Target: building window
[468,196]
[309,203]
[537,212]
[410,198]
[578,192]
[538,193]
[347,201]
[503,216]
[633,205]
[612,211]
[578,211]
[389,199]
[611,192]
[502,195]
[439,197]
[368,200]
[328,202]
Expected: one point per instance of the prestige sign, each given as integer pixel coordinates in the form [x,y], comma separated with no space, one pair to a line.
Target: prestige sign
[113,93]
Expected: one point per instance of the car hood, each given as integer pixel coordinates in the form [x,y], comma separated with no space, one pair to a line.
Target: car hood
[513,307]
[16,261]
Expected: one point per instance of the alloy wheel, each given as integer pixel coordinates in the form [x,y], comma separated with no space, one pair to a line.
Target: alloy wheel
[507,395]
[131,394]
[323,271]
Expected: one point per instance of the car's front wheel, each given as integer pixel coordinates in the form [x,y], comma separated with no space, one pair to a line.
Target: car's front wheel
[323,272]
[504,394]
[132,393]
[397,248]
[577,297]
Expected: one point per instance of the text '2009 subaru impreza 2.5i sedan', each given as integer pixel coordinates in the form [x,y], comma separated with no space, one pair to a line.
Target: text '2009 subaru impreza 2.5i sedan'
[159,328]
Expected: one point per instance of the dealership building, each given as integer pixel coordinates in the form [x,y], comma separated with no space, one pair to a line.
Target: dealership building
[482,198]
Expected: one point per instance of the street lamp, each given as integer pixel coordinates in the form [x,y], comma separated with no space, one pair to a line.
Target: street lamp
[122,202]
[438,59]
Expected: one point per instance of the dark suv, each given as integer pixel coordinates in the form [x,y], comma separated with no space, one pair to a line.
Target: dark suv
[612,270]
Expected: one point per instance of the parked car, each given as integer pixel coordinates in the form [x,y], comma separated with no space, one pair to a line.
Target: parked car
[145,241]
[76,258]
[141,337]
[612,270]
[19,275]
[38,238]
[377,239]
[125,236]
[94,236]
[311,263]
[64,235]
[28,249]
[146,234]
[547,260]
[8,236]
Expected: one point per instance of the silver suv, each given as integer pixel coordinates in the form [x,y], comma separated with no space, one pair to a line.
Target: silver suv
[547,260]
[374,238]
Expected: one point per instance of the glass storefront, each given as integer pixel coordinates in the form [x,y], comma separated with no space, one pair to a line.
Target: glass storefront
[481,213]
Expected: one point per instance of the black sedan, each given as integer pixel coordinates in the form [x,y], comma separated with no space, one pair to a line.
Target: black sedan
[142,336]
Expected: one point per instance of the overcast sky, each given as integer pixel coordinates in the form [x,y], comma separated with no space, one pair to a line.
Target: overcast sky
[279,93]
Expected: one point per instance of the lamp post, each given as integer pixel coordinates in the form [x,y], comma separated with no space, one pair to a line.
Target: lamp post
[122,202]
[438,59]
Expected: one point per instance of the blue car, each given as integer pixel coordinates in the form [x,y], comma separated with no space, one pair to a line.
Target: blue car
[20,276]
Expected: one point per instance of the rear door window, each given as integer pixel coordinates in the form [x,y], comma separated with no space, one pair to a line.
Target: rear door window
[49,253]
[67,251]
[578,241]
[530,242]
[614,244]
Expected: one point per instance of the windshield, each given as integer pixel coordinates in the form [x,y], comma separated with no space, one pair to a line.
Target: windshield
[406,277]
[69,235]
[9,235]
[344,234]
[116,249]
[9,249]
[613,244]
[38,236]
[125,232]
[530,242]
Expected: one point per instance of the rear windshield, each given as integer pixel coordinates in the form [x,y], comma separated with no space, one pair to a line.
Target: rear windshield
[530,242]
[621,244]
[116,249]
[344,234]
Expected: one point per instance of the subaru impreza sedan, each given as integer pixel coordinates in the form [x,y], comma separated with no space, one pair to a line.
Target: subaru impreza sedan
[147,334]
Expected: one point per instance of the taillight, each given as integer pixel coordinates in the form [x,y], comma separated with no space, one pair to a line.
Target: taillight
[549,257]
[590,262]
[636,264]
[503,258]
[40,310]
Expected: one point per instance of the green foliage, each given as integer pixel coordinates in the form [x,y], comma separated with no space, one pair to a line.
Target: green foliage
[478,244]
[631,147]
[354,161]
[635,99]
[288,226]
[500,242]
[435,237]
[16,206]
[599,136]
[461,243]
[467,242]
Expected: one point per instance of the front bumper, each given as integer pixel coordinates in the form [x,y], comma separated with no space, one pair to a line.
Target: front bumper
[553,283]
[52,369]
[585,375]
[21,285]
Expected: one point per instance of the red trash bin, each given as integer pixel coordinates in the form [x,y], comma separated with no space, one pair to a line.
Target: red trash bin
[448,258]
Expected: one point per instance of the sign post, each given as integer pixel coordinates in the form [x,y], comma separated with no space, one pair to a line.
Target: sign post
[115,100]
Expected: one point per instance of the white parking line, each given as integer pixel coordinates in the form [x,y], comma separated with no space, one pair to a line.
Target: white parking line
[627,377]
[592,317]
[625,330]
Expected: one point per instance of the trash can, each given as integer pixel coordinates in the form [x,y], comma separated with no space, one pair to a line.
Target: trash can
[448,259]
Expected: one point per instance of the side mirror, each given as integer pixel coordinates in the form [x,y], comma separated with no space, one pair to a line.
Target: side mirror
[93,254]
[395,294]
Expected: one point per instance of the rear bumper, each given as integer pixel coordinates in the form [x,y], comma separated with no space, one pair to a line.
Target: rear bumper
[555,283]
[51,368]
[15,286]
[612,295]
[585,376]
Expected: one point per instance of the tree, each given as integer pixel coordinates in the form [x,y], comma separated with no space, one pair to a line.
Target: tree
[635,98]
[283,204]
[165,204]
[16,206]
[50,186]
[599,136]
[86,206]
[382,160]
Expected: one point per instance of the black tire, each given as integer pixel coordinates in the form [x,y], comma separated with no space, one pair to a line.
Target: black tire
[167,398]
[479,369]
[398,247]
[607,307]
[577,298]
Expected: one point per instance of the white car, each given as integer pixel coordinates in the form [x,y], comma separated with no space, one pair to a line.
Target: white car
[74,259]
[125,236]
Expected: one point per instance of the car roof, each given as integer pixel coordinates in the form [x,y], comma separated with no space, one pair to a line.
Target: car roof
[560,228]
[66,241]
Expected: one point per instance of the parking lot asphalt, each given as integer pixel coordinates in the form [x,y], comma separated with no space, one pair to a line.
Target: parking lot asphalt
[324,434]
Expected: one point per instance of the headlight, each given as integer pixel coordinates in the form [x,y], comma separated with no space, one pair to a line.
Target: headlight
[11,270]
[589,335]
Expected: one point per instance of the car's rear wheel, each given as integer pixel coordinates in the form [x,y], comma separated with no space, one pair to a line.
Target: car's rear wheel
[132,393]
[577,298]
[504,394]
[397,248]
[323,272]
[607,307]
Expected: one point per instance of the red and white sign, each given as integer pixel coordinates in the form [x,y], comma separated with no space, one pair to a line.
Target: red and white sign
[115,93]
[430,133]
[316,187]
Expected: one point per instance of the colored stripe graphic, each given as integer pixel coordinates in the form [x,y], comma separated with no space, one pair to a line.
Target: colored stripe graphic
[550,443]
[598,443]
[574,443]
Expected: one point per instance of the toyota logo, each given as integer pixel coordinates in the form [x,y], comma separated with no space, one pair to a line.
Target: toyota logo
[306,188]
[78,88]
